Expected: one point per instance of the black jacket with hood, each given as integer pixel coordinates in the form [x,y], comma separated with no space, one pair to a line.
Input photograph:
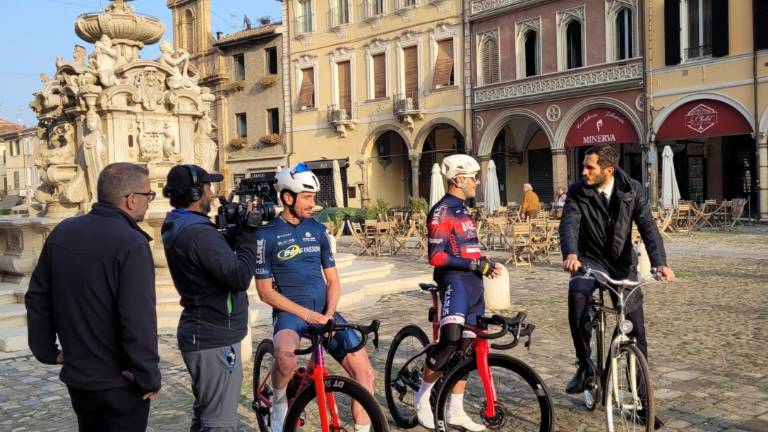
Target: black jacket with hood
[94,288]
[601,235]
[211,279]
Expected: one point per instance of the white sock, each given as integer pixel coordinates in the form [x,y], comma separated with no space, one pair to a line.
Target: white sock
[456,404]
[362,428]
[279,409]
[280,396]
[424,389]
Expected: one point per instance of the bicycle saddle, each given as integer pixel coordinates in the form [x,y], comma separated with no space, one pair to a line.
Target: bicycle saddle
[429,287]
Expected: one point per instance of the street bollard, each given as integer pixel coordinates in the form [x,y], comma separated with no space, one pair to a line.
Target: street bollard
[497,295]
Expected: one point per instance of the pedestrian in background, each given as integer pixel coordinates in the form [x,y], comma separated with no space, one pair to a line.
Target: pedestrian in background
[94,289]
[531,204]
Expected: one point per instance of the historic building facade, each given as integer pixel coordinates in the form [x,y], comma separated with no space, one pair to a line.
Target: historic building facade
[380,87]
[708,96]
[245,72]
[20,176]
[550,79]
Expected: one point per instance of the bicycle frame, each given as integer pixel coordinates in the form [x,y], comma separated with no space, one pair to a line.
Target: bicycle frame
[315,375]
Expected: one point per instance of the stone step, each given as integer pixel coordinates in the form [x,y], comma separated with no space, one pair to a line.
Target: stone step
[13,339]
[12,315]
[7,296]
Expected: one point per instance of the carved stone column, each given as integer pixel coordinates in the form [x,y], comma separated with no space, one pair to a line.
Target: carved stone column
[480,197]
[762,160]
[653,173]
[559,170]
[415,160]
[363,165]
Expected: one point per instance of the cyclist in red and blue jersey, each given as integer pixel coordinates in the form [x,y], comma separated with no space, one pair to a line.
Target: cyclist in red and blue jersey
[459,269]
[294,252]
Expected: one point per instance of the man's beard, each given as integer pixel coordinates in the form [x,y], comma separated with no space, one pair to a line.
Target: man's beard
[599,180]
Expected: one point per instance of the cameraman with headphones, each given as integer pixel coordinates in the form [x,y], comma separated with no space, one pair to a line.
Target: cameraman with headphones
[212,280]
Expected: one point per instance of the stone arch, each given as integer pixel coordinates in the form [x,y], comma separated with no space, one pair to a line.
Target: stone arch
[598,102]
[733,103]
[427,128]
[500,121]
[370,139]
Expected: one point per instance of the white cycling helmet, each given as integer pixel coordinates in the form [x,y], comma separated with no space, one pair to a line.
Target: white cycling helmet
[298,178]
[459,164]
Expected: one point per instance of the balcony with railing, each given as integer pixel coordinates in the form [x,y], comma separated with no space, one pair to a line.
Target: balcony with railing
[341,118]
[697,52]
[407,108]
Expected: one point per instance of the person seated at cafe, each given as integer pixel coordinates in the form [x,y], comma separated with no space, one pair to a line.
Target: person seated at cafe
[560,202]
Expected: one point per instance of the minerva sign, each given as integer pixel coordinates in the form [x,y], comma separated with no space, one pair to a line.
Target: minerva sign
[600,126]
[701,118]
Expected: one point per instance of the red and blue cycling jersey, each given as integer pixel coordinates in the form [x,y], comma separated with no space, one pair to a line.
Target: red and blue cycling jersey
[453,244]
[453,240]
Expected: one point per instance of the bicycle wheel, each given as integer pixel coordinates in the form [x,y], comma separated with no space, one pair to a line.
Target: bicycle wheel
[592,383]
[303,414]
[401,381]
[262,367]
[628,401]
[522,399]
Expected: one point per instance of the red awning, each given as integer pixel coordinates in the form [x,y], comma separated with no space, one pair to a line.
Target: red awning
[702,119]
[601,126]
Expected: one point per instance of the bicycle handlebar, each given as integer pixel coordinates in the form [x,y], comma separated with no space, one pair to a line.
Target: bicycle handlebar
[517,326]
[605,278]
[324,333]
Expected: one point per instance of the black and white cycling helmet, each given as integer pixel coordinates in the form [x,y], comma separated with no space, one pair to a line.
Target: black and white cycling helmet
[298,178]
[459,165]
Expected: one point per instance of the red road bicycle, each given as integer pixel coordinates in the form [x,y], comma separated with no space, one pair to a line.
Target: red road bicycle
[334,394]
[502,391]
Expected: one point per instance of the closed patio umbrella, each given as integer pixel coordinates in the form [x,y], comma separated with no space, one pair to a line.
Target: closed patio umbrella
[436,187]
[492,198]
[670,193]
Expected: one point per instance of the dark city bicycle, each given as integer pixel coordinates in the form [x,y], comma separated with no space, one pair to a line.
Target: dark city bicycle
[502,391]
[334,394]
[621,378]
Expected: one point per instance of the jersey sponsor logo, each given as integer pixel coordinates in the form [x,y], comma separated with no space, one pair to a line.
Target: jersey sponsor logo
[468,226]
[289,252]
[283,235]
[437,215]
[285,242]
[308,237]
[260,251]
[435,241]
[473,249]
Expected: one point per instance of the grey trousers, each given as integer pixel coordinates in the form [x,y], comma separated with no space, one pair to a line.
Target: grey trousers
[217,375]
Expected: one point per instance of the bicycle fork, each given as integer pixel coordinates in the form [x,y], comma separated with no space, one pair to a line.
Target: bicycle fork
[326,402]
[484,370]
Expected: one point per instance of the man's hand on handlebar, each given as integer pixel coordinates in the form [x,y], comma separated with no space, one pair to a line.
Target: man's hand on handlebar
[571,263]
[666,273]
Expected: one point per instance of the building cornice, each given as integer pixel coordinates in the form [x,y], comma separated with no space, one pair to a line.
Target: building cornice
[480,9]
[561,85]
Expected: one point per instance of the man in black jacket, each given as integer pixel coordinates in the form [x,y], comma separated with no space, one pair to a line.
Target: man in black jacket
[94,288]
[212,280]
[595,229]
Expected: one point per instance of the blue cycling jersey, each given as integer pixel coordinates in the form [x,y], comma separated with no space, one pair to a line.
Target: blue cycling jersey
[294,256]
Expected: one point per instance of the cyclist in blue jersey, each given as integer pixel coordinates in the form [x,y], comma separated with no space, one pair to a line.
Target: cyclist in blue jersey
[459,267]
[294,253]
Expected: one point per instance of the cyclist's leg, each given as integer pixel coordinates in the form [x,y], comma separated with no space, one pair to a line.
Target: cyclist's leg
[357,364]
[286,340]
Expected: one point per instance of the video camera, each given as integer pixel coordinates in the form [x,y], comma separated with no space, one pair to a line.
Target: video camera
[253,208]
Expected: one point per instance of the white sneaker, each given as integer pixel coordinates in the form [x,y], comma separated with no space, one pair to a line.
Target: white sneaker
[277,416]
[424,414]
[463,421]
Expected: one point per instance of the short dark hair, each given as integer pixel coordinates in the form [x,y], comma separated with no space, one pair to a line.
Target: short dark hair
[180,200]
[607,156]
[119,179]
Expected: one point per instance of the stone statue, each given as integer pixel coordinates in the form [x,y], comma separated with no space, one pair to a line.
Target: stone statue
[150,147]
[61,145]
[93,149]
[106,59]
[246,22]
[178,62]
[150,85]
[170,152]
[205,148]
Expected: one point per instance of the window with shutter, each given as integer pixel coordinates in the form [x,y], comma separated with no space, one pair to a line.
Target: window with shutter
[411,60]
[719,32]
[345,87]
[443,75]
[490,61]
[624,34]
[379,76]
[574,45]
[273,120]
[242,125]
[239,67]
[531,54]
[700,27]
[307,90]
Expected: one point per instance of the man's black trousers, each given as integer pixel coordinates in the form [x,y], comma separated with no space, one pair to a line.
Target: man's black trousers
[119,409]
[580,291]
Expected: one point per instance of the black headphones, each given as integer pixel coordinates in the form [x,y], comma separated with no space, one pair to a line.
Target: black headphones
[195,191]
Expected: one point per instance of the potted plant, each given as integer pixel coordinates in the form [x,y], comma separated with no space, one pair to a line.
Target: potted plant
[270,139]
[238,143]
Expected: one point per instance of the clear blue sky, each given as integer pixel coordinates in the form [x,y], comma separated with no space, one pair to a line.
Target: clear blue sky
[35,32]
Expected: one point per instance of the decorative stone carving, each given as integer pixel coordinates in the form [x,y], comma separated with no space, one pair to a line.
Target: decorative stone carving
[205,148]
[614,74]
[640,102]
[170,152]
[150,86]
[94,149]
[479,123]
[178,61]
[553,113]
[479,6]
[105,58]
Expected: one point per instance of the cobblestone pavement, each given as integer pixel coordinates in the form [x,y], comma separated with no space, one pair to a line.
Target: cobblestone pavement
[707,338]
